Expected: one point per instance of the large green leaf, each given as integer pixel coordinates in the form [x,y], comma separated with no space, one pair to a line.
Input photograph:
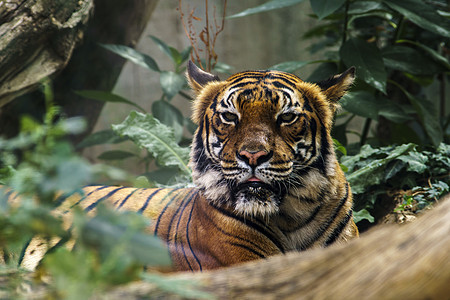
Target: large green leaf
[433,54]
[363,214]
[101,137]
[171,83]
[324,8]
[409,60]
[169,115]
[323,71]
[417,162]
[367,59]
[158,139]
[169,51]
[392,111]
[115,155]
[269,5]
[290,66]
[422,14]
[133,55]
[106,97]
[362,7]
[361,103]
[428,117]
[373,171]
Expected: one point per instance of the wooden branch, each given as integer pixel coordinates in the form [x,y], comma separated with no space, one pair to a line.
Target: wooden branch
[47,49]
[37,39]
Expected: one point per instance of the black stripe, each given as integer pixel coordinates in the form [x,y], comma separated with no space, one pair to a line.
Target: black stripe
[328,223]
[174,215]
[164,209]
[191,194]
[63,197]
[281,86]
[255,226]
[338,230]
[87,195]
[188,239]
[22,253]
[147,201]
[248,249]
[233,235]
[306,222]
[125,199]
[94,204]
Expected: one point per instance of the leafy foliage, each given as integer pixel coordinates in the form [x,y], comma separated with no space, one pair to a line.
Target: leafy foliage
[111,248]
[374,171]
[400,51]
[163,133]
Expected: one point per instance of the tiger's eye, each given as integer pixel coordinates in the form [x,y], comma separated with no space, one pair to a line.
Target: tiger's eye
[287,117]
[229,117]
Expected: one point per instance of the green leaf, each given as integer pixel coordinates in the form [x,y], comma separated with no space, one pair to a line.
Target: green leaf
[433,54]
[115,155]
[268,6]
[361,103]
[323,71]
[186,53]
[422,14]
[169,115]
[324,8]
[393,168]
[106,97]
[171,83]
[107,234]
[417,162]
[169,51]
[101,137]
[407,59]
[427,115]
[372,172]
[367,59]
[363,214]
[290,66]
[392,111]
[134,56]
[148,133]
[362,7]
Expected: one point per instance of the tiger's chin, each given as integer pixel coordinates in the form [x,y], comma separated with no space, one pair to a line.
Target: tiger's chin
[256,199]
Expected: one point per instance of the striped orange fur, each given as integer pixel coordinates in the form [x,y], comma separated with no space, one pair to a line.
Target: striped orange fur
[266,177]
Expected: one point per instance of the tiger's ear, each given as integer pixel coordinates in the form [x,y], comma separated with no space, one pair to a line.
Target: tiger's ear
[338,85]
[197,78]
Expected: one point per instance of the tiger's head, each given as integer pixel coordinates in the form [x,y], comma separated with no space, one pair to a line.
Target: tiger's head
[262,136]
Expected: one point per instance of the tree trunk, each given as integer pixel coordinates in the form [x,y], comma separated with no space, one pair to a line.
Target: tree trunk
[37,40]
[90,66]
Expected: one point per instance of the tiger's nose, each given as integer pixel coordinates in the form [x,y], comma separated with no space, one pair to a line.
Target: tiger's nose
[254,158]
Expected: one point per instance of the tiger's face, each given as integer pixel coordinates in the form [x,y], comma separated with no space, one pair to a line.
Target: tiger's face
[259,134]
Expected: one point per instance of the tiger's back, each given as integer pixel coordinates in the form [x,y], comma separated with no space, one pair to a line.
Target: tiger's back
[188,225]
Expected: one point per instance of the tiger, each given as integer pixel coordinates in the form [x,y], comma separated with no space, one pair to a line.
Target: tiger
[266,178]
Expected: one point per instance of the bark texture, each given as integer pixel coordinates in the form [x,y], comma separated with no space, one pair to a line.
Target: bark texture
[37,39]
[49,50]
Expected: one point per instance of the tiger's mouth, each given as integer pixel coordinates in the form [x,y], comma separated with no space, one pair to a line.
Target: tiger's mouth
[255,187]
[256,198]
